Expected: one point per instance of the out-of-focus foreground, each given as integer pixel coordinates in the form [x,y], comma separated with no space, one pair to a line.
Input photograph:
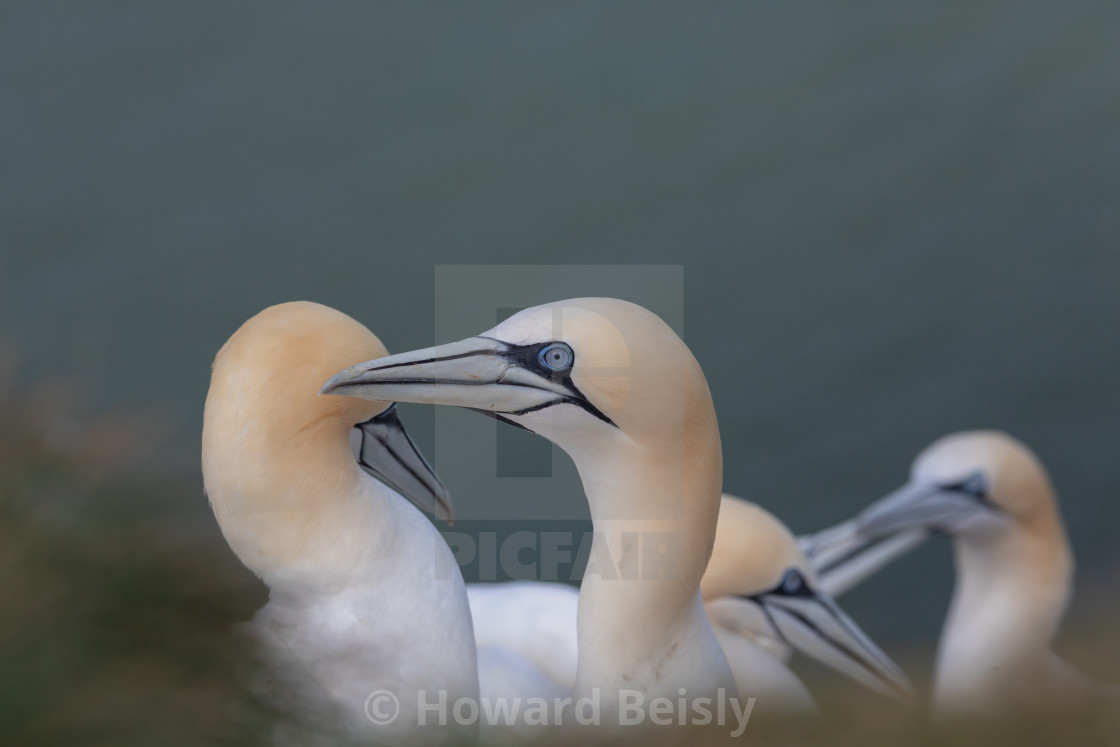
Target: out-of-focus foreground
[119,625]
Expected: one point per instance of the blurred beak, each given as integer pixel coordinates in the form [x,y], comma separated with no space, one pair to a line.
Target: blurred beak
[929,507]
[384,449]
[843,557]
[815,625]
[852,570]
[478,373]
[830,546]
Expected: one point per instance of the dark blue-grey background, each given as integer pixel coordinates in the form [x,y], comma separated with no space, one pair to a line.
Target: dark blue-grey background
[895,220]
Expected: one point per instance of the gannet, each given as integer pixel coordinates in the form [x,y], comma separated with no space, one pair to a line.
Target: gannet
[760,594]
[364,595]
[991,495]
[611,384]
[760,589]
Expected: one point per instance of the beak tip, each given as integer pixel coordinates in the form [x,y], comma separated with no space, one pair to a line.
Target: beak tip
[444,512]
[334,382]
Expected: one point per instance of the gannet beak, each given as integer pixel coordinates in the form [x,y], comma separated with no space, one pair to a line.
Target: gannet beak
[478,373]
[843,557]
[815,625]
[830,546]
[384,449]
[939,508]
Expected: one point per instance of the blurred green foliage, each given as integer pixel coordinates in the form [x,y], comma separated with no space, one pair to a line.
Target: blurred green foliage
[115,627]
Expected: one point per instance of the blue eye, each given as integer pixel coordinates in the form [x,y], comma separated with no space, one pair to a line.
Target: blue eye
[793,584]
[556,356]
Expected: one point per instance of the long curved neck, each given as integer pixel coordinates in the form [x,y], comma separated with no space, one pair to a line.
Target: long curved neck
[292,508]
[1011,592]
[364,592]
[641,622]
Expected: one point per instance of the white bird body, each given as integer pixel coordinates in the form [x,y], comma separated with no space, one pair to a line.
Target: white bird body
[364,594]
[760,671]
[636,417]
[613,386]
[1014,569]
[1012,590]
[526,630]
[529,630]
[527,646]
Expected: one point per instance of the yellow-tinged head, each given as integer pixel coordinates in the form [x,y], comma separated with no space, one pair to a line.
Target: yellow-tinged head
[1008,474]
[276,456]
[752,554]
[272,368]
[606,380]
[759,585]
[573,371]
[976,486]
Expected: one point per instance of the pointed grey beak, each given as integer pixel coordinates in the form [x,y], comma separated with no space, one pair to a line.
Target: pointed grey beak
[949,509]
[814,624]
[384,449]
[829,546]
[478,373]
[844,558]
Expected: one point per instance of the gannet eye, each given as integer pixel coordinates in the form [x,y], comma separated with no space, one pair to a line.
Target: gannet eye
[793,584]
[974,486]
[556,357]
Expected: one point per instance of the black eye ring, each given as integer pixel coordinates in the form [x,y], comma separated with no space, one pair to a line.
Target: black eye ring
[793,584]
[974,486]
[556,357]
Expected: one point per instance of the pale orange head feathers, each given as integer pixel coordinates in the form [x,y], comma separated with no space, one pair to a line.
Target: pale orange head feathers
[275,454]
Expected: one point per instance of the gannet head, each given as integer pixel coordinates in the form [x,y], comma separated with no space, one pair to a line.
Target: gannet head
[273,449]
[271,363]
[578,372]
[969,485]
[758,582]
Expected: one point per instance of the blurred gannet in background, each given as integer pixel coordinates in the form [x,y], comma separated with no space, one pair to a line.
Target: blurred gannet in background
[993,498]
[759,589]
[759,594]
[611,384]
[364,594]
